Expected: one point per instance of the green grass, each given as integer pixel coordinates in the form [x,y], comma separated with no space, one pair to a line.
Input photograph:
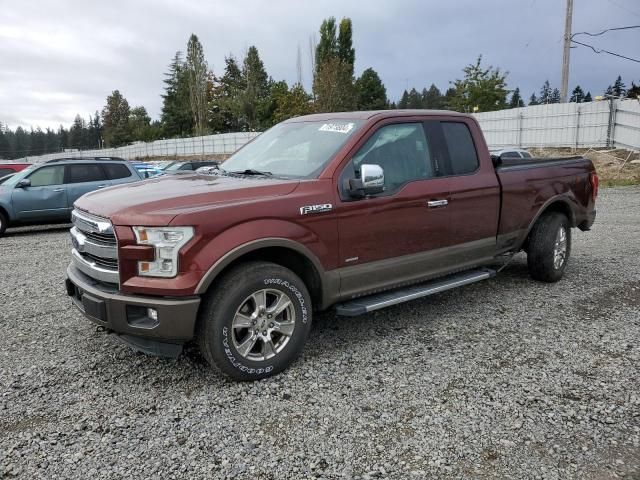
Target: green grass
[619,182]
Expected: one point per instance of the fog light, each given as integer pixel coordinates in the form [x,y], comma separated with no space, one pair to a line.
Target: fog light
[152,313]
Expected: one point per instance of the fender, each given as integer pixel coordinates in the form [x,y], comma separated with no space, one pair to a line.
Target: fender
[566,199]
[312,249]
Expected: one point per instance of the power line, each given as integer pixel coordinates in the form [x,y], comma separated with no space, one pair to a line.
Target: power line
[602,50]
[628,10]
[596,50]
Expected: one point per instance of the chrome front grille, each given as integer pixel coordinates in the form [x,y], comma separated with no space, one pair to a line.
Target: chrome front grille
[95,247]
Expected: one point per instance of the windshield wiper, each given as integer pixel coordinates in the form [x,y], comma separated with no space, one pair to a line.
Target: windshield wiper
[251,171]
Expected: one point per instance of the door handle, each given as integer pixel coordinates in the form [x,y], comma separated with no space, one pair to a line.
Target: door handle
[437,203]
[102,186]
[58,189]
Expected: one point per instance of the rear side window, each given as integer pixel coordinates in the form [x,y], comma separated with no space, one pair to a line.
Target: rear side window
[47,176]
[462,152]
[187,166]
[510,155]
[525,154]
[116,171]
[86,172]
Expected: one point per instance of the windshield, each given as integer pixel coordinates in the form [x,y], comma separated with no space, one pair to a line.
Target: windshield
[295,150]
[171,166]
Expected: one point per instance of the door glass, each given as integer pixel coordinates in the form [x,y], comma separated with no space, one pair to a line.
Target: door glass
[510,155]
[44,176]
[525,154]
[462,152]
[85,173]
[402,152]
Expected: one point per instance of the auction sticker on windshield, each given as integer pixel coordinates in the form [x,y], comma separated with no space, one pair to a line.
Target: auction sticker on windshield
[337,127]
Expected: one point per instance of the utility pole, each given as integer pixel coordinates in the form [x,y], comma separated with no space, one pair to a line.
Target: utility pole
[567,51]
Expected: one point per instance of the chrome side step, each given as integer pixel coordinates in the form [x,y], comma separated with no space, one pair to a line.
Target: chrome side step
[377,301]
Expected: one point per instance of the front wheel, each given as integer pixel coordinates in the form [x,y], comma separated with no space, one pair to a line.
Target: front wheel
[549,247]
[4,223]
[255,322]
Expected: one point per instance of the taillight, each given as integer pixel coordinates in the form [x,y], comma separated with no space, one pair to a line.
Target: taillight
[593,179]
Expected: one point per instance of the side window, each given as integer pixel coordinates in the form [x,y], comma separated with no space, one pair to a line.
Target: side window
[402,152]
[116,171]
[187,166]
[510,155]
[462,152]
[525,154]
[86,172]
[47,176]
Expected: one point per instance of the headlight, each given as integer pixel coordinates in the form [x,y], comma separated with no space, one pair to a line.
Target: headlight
[167,242]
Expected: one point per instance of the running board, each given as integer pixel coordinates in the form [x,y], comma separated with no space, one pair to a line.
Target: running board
[377,301]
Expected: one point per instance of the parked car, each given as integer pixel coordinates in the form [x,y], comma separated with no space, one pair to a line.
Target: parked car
[45,192]
[7,168]
[356,211]
[5,178]
[511,152]
[188,166]
[147,170]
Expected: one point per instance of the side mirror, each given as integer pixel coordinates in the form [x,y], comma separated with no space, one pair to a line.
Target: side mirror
[496,160]
[371,181]
[25,182]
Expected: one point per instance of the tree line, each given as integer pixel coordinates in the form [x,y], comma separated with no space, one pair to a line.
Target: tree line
[244,97]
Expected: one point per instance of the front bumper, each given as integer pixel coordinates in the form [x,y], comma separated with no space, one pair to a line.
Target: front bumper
[127,315]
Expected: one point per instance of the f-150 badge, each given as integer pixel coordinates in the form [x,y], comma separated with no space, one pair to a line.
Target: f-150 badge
[315,208]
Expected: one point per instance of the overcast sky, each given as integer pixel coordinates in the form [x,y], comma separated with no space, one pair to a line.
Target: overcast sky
[58,59]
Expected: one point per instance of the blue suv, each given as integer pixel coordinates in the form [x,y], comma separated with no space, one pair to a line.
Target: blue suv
[45,192]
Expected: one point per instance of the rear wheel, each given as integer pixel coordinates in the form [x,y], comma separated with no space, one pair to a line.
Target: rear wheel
[4,223]
[255,322]
[549,247]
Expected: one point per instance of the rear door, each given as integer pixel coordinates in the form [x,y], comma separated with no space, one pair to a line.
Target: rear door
[46,197]
[81,178]
[474,197]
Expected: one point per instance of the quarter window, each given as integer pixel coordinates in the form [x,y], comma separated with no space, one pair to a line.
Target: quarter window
[85,173]
[462,152]
[45,176]
[116,171]
[402,152]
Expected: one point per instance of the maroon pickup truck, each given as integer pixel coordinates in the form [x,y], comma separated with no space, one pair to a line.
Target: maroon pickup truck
[355,211]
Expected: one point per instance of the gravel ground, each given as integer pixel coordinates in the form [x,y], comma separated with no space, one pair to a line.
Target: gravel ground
[505,378]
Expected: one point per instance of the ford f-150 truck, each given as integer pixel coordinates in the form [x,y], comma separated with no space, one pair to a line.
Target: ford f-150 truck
[355,211]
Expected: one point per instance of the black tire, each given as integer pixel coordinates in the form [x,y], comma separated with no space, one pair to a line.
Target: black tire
[541,258]
[219,340]
[4,223]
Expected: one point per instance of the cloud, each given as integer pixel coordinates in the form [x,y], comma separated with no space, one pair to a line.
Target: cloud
[58,60]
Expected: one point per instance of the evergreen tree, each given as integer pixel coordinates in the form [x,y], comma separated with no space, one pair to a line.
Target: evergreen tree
[449,98]
[255,96]
[619,89]
[533,100]
[176,117]
[545,93]
[140,124]
[197,69]
[432,98]
[587,97]
[484,88]
[555,96]
[226,106]
[577,96]
[634,91]
[115,116]
[516,100]
[415,99]
[371,92]
[333,84]
[76,133]
[404,100]
[291,103]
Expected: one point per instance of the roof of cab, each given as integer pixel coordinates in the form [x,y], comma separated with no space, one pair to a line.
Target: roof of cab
[366,115]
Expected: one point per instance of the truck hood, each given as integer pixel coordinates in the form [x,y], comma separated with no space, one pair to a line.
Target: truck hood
[157,201]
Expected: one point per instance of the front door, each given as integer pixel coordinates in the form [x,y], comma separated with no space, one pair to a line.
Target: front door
[46,197]
[396,236]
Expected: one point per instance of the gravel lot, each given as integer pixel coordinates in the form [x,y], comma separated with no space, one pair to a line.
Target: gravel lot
[505,378]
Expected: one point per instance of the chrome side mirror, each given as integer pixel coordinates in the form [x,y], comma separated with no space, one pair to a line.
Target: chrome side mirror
[371,181]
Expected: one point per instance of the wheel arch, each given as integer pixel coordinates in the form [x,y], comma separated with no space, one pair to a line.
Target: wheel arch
[284,252]
[560,204]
